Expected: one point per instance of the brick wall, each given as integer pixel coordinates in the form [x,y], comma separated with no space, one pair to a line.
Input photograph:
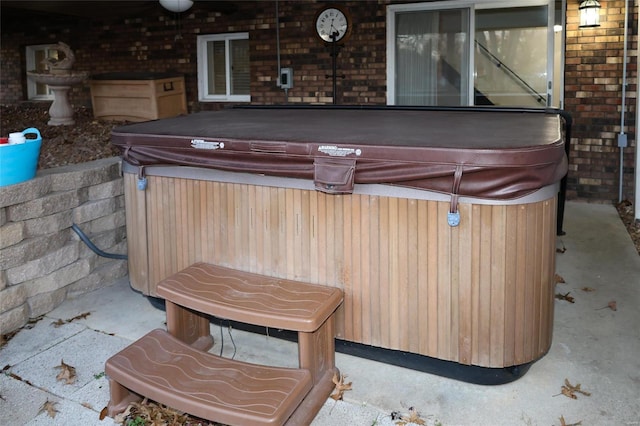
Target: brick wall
[157,41]
[593,86]
[42,260]
[362,60]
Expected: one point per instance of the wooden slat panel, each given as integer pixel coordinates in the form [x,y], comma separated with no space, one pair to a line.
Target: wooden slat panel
[510,272]
[521,281]
[375,281]
[205,200]
[393,279]
[353,209]
[497,303]
[366,254]
[432,279]
[547,284]
[480,293]
[412,307]
[179,210]
[476,222]
[465,262]
[422,332]
[136,219]
[383,304]
[454,286]
[444,282]
[484,281]
[344,234]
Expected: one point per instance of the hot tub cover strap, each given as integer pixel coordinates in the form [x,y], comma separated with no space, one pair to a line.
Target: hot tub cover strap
[453,216]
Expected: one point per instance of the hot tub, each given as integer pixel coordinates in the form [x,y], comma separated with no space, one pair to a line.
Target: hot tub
[438,225]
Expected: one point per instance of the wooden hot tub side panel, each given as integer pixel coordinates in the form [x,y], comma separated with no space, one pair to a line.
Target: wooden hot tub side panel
[480,293]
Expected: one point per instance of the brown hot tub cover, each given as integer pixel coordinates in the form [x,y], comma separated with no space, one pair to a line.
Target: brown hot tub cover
[488,154]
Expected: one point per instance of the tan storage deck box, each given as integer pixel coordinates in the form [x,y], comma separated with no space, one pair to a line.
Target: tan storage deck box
[137,96]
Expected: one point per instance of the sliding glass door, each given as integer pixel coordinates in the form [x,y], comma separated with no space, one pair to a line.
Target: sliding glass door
[457,53]
[510,66]
[432,48]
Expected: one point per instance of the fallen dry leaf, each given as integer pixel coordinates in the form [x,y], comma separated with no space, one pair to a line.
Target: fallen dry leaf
[558,279]
[613,305]
[60,321]
[563,422]
[570,390]
[81,316]
[103,413]
[341,386]
[588,289]
[155,414]
[566,297]
[67,373]
[49,407]
[412,418]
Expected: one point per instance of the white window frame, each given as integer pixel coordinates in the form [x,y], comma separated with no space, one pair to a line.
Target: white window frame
[472,5]
[203,89]
[30,56]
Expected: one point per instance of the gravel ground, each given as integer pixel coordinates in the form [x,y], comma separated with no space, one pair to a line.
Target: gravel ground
[90,139]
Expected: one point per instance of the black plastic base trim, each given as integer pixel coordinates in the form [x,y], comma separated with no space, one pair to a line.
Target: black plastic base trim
[452,370]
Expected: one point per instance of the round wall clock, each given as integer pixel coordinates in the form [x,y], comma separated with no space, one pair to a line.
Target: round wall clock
[333,24]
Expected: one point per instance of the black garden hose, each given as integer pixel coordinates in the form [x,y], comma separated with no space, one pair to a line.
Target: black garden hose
[93,247]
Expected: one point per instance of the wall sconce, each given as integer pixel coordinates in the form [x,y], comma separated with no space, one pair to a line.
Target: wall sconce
[589,14]
[176,6]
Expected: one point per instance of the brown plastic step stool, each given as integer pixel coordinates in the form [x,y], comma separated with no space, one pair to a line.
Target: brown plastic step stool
[203,289]
[168,371]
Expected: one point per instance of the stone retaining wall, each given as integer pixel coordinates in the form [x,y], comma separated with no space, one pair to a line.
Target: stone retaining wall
[42,260]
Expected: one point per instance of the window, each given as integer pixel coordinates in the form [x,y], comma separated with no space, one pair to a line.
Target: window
[223,67]
[475,52]
[35,55]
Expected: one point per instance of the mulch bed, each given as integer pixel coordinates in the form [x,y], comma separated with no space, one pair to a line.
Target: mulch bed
[87,140]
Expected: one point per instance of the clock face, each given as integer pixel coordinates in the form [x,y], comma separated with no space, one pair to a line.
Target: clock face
[332,21]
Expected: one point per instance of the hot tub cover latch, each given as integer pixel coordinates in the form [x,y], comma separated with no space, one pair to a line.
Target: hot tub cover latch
[142,179]
[453,216]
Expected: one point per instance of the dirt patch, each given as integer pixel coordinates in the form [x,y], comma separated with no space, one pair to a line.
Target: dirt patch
[90,139]
[626,212]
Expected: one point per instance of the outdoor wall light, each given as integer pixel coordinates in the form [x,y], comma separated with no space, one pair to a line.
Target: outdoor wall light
[589,14]
[176,6]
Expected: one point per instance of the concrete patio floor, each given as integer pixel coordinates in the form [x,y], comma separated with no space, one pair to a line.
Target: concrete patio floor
[597,348]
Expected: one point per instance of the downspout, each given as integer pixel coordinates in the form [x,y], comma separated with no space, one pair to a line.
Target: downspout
[637,169]
[278,42]
[622,137]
